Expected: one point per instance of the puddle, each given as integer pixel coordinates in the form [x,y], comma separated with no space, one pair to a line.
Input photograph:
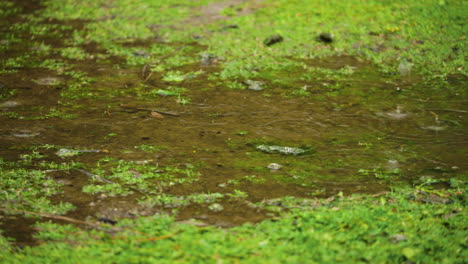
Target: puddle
[372,126]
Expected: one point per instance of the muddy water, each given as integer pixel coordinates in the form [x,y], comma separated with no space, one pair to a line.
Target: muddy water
[377,123]
[347,135]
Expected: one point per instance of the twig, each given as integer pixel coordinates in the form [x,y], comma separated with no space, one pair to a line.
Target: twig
[94,176]
[149,238]
[155,238]
[143,71]
[409,138]
[97,226]
[161,112]
[448,110]
[149,76]
[149,109]
[57,217]
[434,161]
[76,221]
[371,195]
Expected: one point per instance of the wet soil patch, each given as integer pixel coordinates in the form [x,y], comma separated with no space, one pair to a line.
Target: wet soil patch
[19,229]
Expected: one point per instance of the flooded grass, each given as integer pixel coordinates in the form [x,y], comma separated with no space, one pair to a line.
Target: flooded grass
[107,118]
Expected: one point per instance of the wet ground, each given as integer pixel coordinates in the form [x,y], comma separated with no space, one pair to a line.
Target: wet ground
[378,131]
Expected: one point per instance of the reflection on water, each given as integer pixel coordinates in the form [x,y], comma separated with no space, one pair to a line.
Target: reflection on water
[367,134]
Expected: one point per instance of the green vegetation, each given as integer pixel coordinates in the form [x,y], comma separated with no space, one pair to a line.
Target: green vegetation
[423,37]
[171,201]
[146,178]
[419,224]
[31,189]
[430,34]
[123,59]
[389,229]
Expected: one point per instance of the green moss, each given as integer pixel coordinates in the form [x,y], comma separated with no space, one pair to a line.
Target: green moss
[40,114]
[74,53]
[383,32]
[172,201]
[7,9]
[30,190]
[129,177]
[392,229]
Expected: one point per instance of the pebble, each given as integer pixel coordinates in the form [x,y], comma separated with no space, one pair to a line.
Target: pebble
[325,37]
[397,238]
[9,104]
[273,40]
[393,164]
[254,85]
[208,58]
[274,166]
[48,81]
[435,128]
[216,207]
[404,68]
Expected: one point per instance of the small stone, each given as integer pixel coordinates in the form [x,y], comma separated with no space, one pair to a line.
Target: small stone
[50,81]
[273,40]
[254,85]
[63,152]
[283,149]
[325,37]
[207,58]
[216,207]
[107,220]
[8,104]
[25,134]
[274,166]
[405,68]
[397,238]
[393,164]
[435,128]
[64,182]
[140,53]
[143,162]
[232,26]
